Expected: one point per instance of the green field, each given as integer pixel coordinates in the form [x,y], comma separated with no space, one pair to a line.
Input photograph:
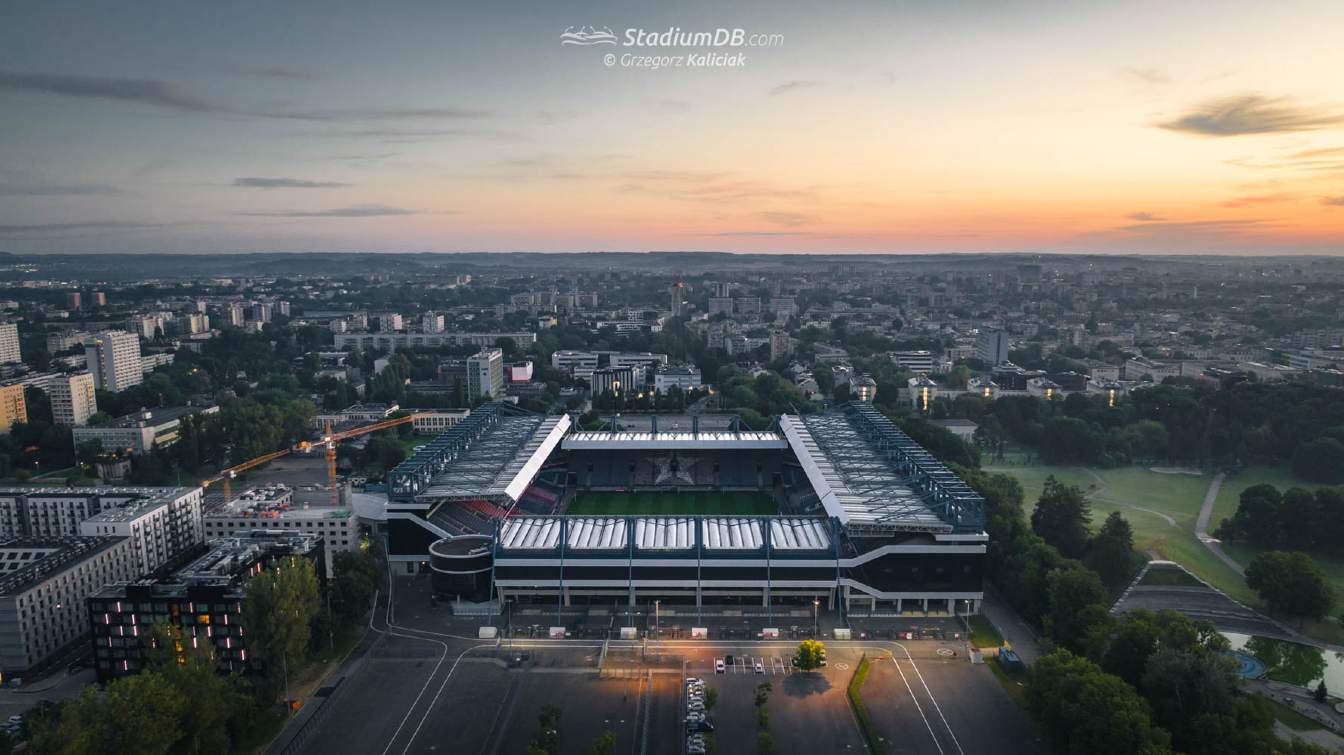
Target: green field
[673,504]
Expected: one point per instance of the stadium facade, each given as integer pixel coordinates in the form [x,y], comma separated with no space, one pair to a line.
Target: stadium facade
[502,506]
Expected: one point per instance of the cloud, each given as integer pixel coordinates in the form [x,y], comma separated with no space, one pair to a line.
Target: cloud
[378,114]
[353,211]
[793,86]
[1333,201]
[45,229]
[59,190]
[144,91]
[286,183]
[1253,114]
[1146,217]
[784,218]
[1149,75]
[1192,227]
[279,72]
[1260,199]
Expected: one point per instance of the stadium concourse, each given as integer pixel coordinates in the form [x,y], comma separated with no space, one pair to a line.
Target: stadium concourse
[839,509]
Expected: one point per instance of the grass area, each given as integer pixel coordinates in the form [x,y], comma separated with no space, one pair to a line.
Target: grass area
[855,694]
[1169,578]
[674,504]
[1292,719]
[983,633]
[1014,685]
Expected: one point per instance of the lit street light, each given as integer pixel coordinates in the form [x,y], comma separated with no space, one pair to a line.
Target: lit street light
[815,605]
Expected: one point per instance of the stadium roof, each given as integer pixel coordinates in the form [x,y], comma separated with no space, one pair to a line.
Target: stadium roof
[603,440]
[687,533]
[494,452]
[872,477]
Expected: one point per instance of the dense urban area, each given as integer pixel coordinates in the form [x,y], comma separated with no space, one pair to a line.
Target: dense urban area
[209,463]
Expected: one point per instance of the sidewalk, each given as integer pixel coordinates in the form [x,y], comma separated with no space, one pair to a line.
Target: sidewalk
[1011,626]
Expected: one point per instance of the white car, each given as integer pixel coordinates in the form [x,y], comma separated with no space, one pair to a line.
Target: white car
[718,665]
[760,667]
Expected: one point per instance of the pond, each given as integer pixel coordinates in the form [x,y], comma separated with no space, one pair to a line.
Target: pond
[1289,662]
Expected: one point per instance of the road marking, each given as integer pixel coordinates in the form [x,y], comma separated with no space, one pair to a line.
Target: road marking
[934,700]
[918,707]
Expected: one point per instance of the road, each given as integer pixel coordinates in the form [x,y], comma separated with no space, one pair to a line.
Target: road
[1202,525]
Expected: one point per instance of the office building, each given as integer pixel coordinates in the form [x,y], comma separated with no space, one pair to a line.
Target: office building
[141,432]
[271,508]
[485,374]
[685,377]
[394,341]
[991,347]
[720,305]
[918,362]
[13,408]
[73,399]
[204,600]
[43,588]
[113,357]
[436,421]
[579,364]
[237,315]
[9,343]
[614,380]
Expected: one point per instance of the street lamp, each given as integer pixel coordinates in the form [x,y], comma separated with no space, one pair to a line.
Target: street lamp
[815,605]
[656,634]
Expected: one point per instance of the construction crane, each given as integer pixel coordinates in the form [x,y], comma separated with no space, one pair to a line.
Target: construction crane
[329,439]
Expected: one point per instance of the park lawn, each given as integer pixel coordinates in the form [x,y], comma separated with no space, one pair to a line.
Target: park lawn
[1229,495]
[983,633]
[690,503]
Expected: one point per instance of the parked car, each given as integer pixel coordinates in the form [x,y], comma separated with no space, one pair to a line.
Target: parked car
[760,667]
[718,665]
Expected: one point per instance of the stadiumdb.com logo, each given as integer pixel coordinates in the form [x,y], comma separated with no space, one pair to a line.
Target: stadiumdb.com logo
[587,36]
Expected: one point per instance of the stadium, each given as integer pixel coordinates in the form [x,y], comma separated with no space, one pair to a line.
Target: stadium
[840,507]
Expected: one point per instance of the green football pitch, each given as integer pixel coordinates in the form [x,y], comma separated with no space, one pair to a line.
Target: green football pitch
[690,503]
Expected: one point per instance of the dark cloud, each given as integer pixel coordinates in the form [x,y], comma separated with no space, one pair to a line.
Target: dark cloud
[58,190]
[1149,75]
[1253,114]
[1145,217]
[144,91]
[285,183]
[793,86]
[1333,201]
[46,229]
[353,211]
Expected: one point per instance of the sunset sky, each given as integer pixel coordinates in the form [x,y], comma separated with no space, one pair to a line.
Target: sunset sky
[1148,127]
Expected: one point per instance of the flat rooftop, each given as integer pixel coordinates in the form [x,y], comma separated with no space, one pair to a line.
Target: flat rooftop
[675,440]
[708,534]
[501,462]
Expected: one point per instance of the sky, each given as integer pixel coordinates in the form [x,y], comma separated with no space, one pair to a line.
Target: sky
[895,126]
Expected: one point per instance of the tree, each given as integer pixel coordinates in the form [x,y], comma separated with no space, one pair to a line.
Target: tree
[1320,460]
[354,582]
[605,744]
[1061,517]
[810,655]
[1085,711]
[1291,583]
[279,609]
[1321,692]
[1110,551]
[1077,614]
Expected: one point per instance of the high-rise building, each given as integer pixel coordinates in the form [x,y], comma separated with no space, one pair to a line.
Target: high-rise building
[485,374]
[431,322]
[12,407]
[781,345]
[9,343]
[676,292]
[99,299]
[113,357]
[236,316]
[262,311]
[73,399]
[73,300]
[992,347]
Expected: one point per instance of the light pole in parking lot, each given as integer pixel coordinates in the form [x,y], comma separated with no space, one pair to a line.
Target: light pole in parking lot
[815,605]
[656,634]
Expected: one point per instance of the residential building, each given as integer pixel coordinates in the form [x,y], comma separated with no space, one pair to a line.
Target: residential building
[863,388]
[13,408]
[113,358]
[73,399]
[781,345]
[720,305]
[685,377]
[962,428]
[393,341]
[784,306]
[431,322]
[519,372]
[675,294]
[73,300]
[161,525]
[9,343]
[43,590]
[485,374]
[991,347]
[42,511]
[204,599]
[141,432]
[922,392]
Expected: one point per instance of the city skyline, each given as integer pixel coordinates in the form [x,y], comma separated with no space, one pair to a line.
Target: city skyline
[1014,127]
